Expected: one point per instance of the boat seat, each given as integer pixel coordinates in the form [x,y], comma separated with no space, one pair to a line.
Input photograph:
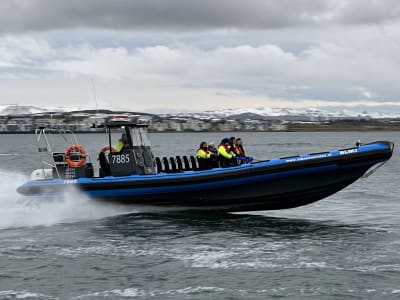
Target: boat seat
[158,165]
[89,170]
[105,169]
[186,163]
[179,165]
[166,165]
[173,165]
[176,164]
[193,160]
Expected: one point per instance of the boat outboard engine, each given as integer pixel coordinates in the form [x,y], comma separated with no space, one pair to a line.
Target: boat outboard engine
[40,174]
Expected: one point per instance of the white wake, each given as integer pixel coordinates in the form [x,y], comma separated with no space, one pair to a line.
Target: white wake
[21,211]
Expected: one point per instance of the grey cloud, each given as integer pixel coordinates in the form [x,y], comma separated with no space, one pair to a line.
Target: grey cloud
[42,15]
[369,12]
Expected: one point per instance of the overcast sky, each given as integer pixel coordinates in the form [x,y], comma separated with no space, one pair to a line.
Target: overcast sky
[186,55]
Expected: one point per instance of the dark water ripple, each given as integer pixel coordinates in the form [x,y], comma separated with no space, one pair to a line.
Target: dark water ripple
[344,247]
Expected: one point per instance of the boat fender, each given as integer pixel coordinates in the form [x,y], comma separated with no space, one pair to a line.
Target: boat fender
[75,149]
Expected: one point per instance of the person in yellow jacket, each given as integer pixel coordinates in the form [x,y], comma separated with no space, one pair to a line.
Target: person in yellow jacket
[122,143]
[203,151]
[226,155]
[204,156]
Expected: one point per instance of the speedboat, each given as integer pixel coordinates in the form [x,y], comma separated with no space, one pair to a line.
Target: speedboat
[135,176]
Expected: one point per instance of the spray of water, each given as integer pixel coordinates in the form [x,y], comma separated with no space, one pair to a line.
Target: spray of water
[72,206]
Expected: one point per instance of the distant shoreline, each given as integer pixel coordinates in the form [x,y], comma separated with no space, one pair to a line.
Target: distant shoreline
[285,126]
[296,129]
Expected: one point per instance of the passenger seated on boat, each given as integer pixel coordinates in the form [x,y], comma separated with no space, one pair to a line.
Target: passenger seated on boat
[212,148]
[105,166]
[239,151]
[226,156]
[122,143]
[238,148]
[214,155]
[232,142]
[204,157]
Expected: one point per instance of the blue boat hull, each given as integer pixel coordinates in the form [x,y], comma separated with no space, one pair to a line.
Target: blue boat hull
[275,184]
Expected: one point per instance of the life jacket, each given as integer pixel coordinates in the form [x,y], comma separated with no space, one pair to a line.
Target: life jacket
[203,153]
[225,151]
[121,144]
[239,151]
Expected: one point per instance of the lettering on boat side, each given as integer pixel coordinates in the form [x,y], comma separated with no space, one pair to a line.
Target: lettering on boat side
[309,157]
[348,151]
[121,158]
[69,181]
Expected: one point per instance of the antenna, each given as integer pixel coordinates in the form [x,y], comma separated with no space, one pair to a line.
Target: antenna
[94,94]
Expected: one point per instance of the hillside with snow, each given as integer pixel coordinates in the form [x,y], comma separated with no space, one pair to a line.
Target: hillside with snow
[238,113]
[291,113]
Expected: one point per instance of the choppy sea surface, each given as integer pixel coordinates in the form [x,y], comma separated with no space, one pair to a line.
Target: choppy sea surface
[346,246]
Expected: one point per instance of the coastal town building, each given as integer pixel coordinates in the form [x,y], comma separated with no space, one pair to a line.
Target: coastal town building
[92,121]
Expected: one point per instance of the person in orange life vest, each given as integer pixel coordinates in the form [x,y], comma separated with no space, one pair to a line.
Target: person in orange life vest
[226,155]
[240,154]
[239,151]
[204,156]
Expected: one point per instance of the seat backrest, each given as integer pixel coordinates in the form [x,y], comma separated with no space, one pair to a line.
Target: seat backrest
[104,165]
[158,165]
[166,165]
[186,163]
[179,165]
[193,160]
[173,164]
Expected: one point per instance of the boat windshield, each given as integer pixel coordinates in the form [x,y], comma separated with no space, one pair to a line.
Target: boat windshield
[140,136]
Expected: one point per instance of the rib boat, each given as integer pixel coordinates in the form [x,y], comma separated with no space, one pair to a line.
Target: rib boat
[135,176]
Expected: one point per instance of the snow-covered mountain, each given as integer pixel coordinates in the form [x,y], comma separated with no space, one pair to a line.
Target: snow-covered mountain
[242,113]
[292,113]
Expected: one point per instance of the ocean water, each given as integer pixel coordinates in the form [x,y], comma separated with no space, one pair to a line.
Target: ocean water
[346,246]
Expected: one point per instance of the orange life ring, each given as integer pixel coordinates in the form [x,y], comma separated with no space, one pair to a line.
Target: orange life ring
[76,148]
[107,148]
